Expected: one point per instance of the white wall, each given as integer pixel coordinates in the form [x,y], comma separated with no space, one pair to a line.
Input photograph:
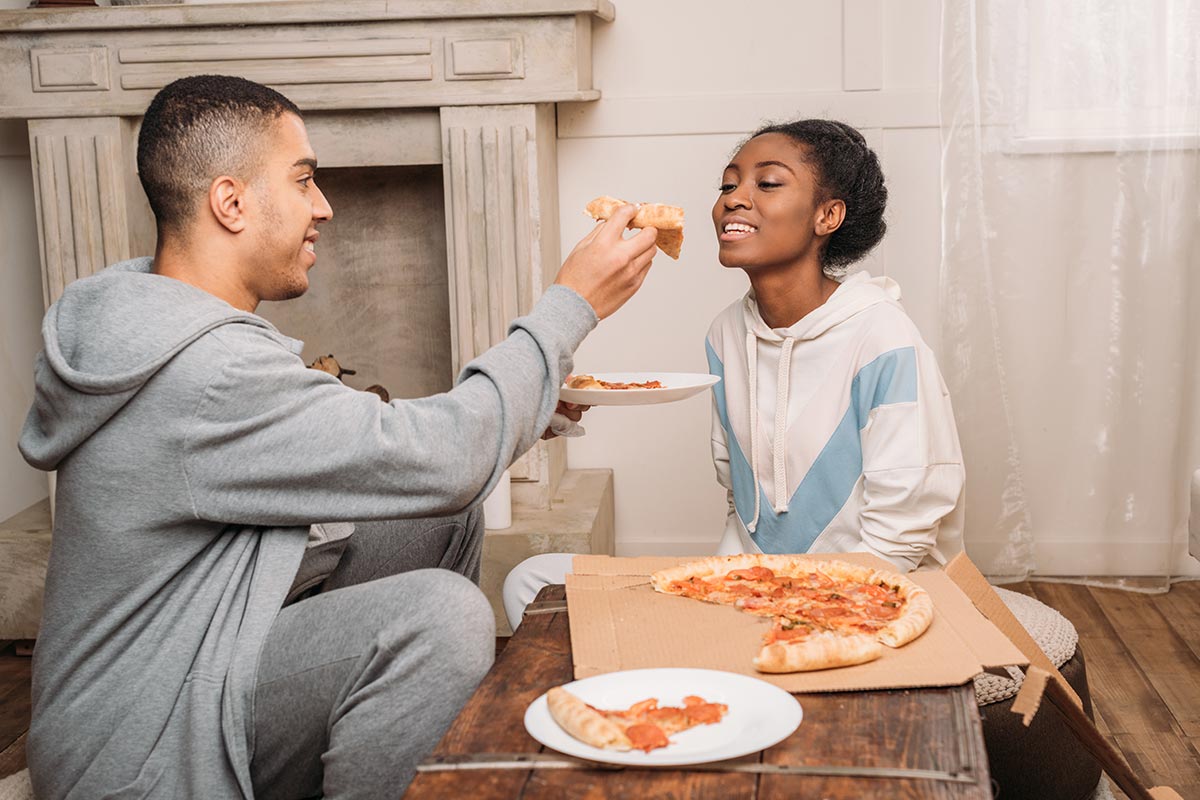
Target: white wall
[20,316]
[683,83]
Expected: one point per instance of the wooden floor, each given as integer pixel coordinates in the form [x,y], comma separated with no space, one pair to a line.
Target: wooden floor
[1143,666]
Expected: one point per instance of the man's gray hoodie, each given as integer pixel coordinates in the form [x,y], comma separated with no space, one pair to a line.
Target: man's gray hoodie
[194,449]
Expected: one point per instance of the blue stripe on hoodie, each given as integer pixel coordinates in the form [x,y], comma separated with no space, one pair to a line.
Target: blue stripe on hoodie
[889,379]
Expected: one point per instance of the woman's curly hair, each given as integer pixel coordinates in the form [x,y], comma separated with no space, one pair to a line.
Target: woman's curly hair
[847,170]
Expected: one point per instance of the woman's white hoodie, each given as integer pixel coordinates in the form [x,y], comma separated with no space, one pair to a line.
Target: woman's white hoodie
[835,434]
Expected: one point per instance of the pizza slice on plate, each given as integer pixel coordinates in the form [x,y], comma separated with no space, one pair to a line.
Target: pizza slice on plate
[643,726]
[591,382]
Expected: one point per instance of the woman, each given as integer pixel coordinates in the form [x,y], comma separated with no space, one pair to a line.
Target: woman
[832,428]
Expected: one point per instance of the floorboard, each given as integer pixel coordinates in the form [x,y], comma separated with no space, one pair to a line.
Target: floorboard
[14,695]
[1181,607]
[1137,699]
[1163,656]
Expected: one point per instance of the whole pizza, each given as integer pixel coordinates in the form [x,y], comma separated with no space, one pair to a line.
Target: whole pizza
[826,613]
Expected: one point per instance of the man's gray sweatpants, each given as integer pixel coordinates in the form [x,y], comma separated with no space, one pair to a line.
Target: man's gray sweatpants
[356,684]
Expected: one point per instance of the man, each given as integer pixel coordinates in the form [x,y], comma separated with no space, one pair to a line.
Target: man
[194,451]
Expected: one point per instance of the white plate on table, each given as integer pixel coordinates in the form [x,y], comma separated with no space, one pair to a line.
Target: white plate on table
[676,386]
[760,715]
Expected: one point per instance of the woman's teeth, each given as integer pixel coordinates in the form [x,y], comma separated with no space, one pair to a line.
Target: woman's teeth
[738,227]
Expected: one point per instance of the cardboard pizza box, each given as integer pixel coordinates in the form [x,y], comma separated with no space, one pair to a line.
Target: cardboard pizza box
[619,622]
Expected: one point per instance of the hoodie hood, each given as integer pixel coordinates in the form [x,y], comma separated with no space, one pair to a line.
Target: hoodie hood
[102,341]
[858,292]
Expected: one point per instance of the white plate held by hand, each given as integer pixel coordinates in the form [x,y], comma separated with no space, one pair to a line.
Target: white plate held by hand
[676,386]
[759,715]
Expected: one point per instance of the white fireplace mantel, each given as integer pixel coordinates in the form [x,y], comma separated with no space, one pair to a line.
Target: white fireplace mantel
[350,54]
[466,84]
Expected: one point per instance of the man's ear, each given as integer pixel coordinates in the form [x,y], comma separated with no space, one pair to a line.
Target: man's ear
[830,216]
[227,201]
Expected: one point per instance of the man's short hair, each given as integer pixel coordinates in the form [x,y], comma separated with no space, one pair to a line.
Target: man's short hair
[197,129]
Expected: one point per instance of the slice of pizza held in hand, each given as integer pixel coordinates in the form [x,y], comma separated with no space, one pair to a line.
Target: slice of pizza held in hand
[826,613]
[643,726]
[667,220]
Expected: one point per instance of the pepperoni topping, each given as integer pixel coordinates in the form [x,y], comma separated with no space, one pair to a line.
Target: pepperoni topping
[648,726]
[751,574]
[646,736]
[642,707]
[812,601]
[705,713]
[667,714]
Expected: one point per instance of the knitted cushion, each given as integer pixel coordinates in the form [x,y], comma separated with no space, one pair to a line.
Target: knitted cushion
[1053,632]
[16,787]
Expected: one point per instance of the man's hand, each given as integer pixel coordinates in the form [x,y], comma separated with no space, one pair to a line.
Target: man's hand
[571,411]
[607,269]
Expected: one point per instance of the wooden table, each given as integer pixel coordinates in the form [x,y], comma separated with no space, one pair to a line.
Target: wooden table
[920,743]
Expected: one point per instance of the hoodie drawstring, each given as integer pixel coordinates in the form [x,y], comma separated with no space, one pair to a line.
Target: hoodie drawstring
[781,415]
[778,451]
[752,367]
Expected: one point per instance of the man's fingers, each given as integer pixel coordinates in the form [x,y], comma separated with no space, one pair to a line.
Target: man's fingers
[644,241]
[616,224]
[641,264]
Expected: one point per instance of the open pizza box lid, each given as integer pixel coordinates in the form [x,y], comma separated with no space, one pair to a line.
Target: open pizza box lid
[619,622]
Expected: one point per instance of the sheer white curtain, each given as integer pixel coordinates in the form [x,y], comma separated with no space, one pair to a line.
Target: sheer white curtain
[1071,280]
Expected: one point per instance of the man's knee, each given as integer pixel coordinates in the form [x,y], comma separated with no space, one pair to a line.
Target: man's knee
[451,621]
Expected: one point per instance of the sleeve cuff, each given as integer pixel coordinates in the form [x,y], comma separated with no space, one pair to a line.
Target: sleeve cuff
[563,314]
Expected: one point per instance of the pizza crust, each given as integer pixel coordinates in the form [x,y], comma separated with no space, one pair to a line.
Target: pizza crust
[916,619]
[820,651]
[703,568]
[917,615]
[584,722]
[583,382]
[667,220]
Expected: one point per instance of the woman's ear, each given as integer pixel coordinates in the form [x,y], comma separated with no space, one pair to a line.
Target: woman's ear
[830,216]
[227,200]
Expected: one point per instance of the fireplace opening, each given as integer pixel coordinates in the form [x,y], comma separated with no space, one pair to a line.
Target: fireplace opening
[378,298]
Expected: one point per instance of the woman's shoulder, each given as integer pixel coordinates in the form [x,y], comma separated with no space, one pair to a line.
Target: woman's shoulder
[889,322]
[730,321]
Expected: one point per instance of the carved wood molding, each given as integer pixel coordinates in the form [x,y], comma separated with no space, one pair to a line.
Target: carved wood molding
[489,233]
[495,170]
[111,61]
[80,195]
[317,11]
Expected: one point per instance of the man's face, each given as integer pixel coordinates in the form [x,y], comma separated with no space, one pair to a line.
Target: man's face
[286,208]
